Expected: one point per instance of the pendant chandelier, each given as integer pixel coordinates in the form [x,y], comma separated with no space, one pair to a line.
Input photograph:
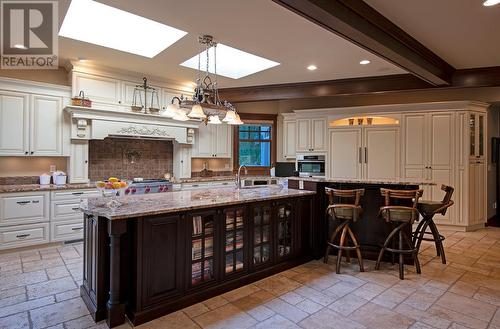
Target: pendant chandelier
[205,103]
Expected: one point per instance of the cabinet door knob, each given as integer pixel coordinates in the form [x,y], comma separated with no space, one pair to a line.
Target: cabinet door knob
[31,152]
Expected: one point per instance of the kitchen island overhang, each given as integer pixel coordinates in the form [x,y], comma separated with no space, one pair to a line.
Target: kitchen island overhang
[161,252]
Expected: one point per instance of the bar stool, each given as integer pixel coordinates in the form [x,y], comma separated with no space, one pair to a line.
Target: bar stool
[428,209]
[402,217]
[346,213]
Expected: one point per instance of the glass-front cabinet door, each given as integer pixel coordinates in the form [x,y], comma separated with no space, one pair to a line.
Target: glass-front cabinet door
[476,135]
[234,237]
[203,267]
[284,230]
[261,235]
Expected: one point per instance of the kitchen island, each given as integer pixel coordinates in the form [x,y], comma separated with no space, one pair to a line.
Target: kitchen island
[371,229]
[158,253]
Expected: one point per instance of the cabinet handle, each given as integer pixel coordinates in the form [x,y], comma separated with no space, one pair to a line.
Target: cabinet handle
[224,183]
[75,208]
[26,152]
[366,154]
[22,236]
[31,152]
[195,185]
[359,155]
[77,228]
[77,193]
[86,161]
[23,202]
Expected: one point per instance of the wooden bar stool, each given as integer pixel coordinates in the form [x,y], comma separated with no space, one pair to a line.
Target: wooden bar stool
[346,213]
[402,217]
[428,209]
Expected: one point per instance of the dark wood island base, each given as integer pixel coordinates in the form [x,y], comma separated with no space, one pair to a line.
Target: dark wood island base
[149,265]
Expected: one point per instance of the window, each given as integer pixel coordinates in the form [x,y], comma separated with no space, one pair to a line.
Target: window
[254,149]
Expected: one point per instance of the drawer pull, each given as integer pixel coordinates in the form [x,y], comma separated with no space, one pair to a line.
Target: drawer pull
[77,228]
[22,236]
[195,185]
[23,202]
[224,183]
[36,201]
[77,193]
[75,208]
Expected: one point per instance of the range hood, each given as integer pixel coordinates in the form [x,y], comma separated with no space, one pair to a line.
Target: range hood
[91,123]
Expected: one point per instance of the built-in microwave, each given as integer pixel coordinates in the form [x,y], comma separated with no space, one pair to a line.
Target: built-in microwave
[309,165]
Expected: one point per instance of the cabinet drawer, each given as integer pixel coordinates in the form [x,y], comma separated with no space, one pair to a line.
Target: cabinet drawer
[66,230]
[23,208]
[65,209]
[222,184]
[74,194]
[24,235]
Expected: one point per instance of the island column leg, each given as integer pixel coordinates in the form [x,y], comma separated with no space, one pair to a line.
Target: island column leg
[115,309]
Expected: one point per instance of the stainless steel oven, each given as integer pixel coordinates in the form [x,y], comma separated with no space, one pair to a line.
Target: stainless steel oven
[309,165]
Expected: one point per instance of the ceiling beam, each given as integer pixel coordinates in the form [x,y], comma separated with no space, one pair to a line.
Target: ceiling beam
[357,22]
[481,77]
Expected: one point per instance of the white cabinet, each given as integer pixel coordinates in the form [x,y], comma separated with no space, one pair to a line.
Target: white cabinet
[477,191]
[311,135]
[14,123]
[46,125]
[381,152]
[24,235]
[97,88]
[182,161]
[78,162]
[289,139]
[429,152]
[364,153]
[30,124]
[24,208]
[476,135]
[213,141]
[345,156]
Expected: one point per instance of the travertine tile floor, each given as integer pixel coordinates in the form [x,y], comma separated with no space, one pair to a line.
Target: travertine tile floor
[39,289]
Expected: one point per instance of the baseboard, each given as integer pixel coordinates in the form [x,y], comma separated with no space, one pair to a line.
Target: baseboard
[459,228]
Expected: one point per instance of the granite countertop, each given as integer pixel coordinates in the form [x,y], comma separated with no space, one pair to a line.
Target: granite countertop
[219,178]
[177,201]
[41,188]
[364,181]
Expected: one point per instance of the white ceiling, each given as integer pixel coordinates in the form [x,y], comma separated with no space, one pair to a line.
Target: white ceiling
[462,32]
[260,27]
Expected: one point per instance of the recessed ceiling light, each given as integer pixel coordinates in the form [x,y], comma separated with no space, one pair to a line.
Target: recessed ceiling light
[312,67]
[489,3]
[231,62]
[106,26]
[364,62]
[18,46]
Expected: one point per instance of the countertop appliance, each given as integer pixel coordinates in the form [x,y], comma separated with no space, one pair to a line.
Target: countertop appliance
[146,186]
[309,165]
[284,169]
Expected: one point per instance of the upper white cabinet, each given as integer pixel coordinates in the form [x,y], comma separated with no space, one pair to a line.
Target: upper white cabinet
[289,139]
[311,135]
[78,162]
[46,125]
[182,160]
[14,123]
[213,141]
[30,124]
[364,152]
[97,88]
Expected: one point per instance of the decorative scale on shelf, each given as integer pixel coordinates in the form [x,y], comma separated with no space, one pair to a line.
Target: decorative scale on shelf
[139,90]
[206,103]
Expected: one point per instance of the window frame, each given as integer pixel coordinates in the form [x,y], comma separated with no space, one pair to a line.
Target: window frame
[250,118]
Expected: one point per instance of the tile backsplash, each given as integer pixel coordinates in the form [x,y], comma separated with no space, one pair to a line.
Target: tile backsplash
[129,158]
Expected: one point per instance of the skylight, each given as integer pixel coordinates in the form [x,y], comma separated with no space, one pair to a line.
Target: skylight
[106,26]
[231,62]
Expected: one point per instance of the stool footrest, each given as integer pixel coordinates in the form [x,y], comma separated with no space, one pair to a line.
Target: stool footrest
[344,247]
[399,251]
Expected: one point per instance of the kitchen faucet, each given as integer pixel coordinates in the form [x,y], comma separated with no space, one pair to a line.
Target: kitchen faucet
[238,176]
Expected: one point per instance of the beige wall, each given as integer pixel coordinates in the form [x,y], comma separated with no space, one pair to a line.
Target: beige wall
[29,166]
[58,77]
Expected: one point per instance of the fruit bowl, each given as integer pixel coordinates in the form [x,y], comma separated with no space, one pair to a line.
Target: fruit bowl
[112,188]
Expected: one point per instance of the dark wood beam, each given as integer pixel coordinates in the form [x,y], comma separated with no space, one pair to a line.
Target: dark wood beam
[481,77]
[362,25]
